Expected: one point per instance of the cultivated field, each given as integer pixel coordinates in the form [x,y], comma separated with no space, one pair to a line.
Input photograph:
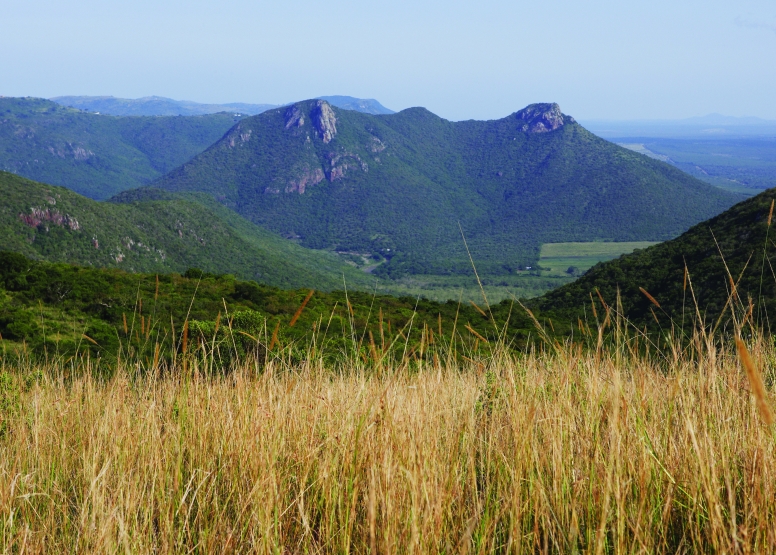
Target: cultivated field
[557,258]
[606,449]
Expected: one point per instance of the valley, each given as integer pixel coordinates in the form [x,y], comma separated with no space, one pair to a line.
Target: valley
[317,195]
[409,187]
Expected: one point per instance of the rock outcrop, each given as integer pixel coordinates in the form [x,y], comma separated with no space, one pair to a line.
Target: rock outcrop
[38,216]
[308,177]
[542,118]
[324,120]
[294,117]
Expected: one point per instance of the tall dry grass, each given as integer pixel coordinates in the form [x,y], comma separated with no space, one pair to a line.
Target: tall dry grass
[565,451]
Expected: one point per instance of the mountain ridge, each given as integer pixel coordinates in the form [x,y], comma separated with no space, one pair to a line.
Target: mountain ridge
[534,176]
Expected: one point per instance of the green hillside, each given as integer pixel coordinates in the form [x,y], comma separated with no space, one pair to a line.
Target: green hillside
[743,237]
[98,155]
[164,234]
[395,187]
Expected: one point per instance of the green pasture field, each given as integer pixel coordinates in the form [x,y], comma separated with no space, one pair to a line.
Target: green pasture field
[556,258]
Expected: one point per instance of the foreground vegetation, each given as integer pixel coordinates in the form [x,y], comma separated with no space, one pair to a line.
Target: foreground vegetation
[298,422]
[557,450]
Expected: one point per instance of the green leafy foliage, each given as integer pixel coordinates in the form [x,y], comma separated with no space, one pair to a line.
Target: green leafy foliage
[98,155]
[398,186]
[61,310]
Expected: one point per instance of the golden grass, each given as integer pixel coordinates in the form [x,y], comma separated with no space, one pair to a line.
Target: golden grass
[562,452]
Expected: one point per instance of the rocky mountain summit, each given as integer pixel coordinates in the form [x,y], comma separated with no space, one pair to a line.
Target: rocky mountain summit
[541,118]
[322,116]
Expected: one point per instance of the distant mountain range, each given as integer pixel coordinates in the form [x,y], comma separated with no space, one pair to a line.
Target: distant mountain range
[711,126]
[161,106]
[398,187]
[96,155]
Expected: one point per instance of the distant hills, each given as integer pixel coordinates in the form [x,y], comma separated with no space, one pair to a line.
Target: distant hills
[161,106]
[741,235]
[165,233]
[398,186]
[97,155]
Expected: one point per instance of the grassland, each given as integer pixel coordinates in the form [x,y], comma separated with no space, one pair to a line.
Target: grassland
[497,288]
[558,450]
[551,272]
[555,259]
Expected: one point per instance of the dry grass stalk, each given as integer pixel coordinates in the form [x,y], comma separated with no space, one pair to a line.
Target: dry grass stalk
[650,297]
[755,382]
[478,309]
[540,453]
[299,310]
[475,334]
[274,340]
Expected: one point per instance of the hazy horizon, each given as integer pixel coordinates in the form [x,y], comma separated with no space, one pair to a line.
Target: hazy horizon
[601,60]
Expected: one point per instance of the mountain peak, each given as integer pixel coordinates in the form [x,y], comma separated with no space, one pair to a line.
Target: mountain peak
[542,117]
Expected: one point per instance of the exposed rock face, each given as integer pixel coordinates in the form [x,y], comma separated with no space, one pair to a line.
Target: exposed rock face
[294,117]
[238,134]
[376,145]
[309,177]
[542,118]
[79,153]
[341,163]
[324,120]
[37,216]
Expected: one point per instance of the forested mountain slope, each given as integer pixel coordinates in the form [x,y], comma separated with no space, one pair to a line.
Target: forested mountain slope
[398,186]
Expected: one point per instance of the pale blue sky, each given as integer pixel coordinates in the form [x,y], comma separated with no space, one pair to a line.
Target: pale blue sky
[462,60]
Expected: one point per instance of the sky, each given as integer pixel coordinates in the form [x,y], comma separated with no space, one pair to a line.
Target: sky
[598,59]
